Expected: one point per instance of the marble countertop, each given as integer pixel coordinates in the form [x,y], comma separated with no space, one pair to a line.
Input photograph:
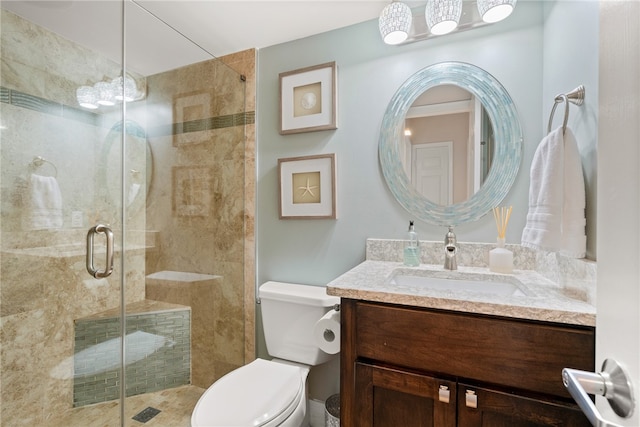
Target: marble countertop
[544,300]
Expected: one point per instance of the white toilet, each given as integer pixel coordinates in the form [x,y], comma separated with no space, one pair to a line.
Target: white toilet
[270,393]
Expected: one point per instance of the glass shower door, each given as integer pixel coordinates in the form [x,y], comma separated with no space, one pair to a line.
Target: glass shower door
[61,174]
[122,137]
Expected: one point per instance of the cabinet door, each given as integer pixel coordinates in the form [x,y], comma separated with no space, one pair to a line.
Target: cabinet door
[500,409]
[389,397]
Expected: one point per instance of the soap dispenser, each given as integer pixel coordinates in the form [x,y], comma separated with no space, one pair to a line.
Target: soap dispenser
[500,258]
[412,248]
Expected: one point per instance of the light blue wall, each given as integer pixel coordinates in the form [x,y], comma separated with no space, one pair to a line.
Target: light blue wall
[369,73]
[570,59]
[543,49]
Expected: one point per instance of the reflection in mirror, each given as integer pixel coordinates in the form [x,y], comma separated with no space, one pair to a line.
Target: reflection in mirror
[485,186]
[139,164]
[448,144]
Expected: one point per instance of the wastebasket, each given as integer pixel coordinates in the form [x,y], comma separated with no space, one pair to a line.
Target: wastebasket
[332,411]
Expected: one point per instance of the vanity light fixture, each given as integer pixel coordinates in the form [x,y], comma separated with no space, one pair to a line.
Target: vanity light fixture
[443,16]
[108,93]
[395,22]
[495,10]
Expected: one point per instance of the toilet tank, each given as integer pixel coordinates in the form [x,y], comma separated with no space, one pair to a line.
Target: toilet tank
[289,314]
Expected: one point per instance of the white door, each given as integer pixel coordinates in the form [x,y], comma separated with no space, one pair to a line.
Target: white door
[432,170]
[618,242]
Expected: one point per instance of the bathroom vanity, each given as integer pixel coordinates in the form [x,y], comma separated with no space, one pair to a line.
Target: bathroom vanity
[416,356]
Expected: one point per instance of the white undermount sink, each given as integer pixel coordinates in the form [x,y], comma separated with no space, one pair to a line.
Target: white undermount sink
[477,283]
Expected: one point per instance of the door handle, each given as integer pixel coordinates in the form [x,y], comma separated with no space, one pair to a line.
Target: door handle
[100,229]
[444,394]
[471,399]
[612,383]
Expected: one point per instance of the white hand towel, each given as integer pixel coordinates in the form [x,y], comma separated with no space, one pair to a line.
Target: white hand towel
[46,203]
[556,218]
[132,193]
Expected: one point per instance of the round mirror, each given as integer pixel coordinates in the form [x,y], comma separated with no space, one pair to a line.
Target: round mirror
[139,165]
[484,187]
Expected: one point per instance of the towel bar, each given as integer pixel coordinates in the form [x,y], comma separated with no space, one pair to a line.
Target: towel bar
[576,97]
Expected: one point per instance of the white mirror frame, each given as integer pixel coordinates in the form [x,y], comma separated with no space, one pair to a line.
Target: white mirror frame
[508,143]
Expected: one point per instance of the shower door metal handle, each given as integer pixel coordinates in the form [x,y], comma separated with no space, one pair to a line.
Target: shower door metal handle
[100,229]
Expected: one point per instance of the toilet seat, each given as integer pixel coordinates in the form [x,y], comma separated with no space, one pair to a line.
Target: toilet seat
[261,394]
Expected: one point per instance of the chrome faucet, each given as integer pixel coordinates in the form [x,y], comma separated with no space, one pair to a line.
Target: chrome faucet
[450,250]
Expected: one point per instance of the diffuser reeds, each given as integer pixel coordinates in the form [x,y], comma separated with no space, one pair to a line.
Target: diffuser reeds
[501,215]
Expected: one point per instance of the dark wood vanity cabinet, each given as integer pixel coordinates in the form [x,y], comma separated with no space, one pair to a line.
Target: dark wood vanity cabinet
[408,366]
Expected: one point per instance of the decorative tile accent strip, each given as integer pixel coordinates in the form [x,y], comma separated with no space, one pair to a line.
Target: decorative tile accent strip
[5,95]
[20,99]
[218,122]
[35,103]
[42,105]
[157,355]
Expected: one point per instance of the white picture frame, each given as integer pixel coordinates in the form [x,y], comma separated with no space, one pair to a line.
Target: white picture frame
[308,99]
[307,187]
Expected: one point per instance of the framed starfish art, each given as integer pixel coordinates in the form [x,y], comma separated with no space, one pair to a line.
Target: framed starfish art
[307,187]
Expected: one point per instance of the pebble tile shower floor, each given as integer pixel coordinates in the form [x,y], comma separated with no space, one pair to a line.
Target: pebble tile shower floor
[175,406]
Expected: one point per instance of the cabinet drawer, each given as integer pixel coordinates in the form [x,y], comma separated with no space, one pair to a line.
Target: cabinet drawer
[513,353]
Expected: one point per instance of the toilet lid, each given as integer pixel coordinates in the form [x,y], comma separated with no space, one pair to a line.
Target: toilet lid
[253,395]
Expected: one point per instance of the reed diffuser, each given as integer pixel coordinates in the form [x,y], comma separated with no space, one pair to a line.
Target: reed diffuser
[502,215]
[500,258]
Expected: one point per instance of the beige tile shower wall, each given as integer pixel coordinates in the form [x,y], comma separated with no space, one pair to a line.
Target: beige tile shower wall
[39,62]
[44,283]
[201,205]
[201,292]
[245,63]
[37,332]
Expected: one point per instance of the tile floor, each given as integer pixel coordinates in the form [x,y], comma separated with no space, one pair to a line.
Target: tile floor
[175,404]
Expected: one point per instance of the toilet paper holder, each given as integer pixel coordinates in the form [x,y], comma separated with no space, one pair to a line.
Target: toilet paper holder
[328,334]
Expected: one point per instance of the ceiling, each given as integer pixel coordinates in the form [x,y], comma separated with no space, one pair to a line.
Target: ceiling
[161,33]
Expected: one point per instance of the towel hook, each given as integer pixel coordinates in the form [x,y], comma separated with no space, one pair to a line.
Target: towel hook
[39,161]
[576,97]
